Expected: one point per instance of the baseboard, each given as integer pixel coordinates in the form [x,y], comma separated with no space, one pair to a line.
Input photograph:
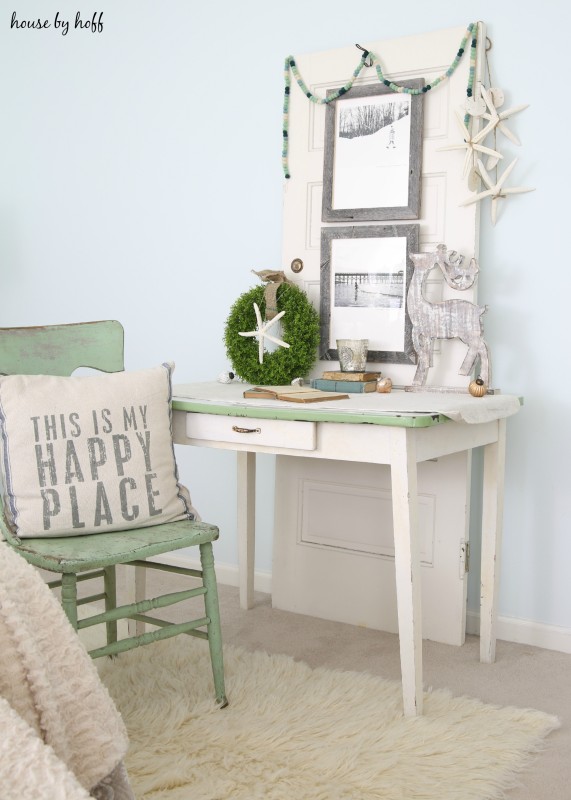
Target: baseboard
[510,629]
[226,574]
[525,631]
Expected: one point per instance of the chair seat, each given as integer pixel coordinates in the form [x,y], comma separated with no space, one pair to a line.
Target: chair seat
[93,551]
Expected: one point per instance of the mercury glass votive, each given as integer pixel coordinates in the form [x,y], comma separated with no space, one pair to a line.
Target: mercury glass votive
[352,354]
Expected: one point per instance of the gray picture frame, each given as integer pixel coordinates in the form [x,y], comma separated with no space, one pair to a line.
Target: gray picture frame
[408,210]
[327,352]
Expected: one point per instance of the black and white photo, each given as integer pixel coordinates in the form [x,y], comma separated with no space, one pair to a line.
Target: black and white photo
[373,148]
[365,274]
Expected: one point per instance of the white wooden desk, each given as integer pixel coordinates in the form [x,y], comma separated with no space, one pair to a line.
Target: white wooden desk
[400,429]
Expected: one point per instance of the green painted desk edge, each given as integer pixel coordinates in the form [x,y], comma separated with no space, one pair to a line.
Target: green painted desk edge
[307,414]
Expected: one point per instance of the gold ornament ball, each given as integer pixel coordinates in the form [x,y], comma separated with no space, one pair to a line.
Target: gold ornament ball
[477,388]
[384,385]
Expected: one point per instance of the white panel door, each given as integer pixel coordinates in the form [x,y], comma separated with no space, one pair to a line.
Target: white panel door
[333,534]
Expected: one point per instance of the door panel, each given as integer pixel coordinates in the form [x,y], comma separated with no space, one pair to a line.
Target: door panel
[323,565]
[333,549]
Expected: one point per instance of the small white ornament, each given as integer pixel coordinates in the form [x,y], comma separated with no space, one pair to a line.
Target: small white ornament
[297,382]
[497,96]
[475,106]
[261,332]
[226,377]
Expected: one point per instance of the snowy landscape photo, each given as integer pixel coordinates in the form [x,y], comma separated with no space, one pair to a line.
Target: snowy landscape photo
[372,152]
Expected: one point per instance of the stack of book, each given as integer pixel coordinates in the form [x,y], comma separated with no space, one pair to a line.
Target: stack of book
[356,382]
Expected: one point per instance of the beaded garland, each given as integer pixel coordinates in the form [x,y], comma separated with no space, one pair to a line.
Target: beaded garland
[290,67]
[300,328]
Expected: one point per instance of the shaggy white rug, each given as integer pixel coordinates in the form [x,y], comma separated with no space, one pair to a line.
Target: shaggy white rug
[296,733]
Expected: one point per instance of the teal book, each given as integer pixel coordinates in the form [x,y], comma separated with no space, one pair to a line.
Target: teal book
[344,386]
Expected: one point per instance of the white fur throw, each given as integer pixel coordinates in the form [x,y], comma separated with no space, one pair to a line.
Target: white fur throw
[61,733]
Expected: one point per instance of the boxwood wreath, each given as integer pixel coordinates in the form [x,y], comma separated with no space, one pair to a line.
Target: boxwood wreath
[300,329]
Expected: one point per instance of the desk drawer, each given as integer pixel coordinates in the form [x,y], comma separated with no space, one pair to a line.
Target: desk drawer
[290,434]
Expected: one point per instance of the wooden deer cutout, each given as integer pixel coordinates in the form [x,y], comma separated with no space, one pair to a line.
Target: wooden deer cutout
[449,319]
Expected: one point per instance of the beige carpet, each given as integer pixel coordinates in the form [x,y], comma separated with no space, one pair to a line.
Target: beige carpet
[308,734]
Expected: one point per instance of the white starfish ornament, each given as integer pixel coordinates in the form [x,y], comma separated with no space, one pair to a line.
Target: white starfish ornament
[498,120]
[261,332]
[471,144]
[495,190]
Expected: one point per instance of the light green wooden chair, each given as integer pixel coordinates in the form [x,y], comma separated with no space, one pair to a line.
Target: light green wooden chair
[59,350]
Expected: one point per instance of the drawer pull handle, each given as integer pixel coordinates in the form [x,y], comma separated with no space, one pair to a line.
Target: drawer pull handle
[246,430]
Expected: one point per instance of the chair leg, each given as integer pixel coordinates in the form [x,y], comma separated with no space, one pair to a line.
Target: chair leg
[110,589]
[140,595]
[134,581]
[69,597]
[213,613]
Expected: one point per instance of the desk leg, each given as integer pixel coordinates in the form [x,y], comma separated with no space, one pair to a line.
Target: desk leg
[246,526]
[407,565]
[492,517]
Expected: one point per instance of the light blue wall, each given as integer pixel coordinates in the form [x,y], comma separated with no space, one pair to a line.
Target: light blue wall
[140,179]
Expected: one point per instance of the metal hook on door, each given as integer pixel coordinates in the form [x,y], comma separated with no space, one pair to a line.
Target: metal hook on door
[366,52]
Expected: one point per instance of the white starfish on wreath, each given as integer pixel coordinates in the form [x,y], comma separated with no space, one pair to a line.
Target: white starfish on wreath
[261,332]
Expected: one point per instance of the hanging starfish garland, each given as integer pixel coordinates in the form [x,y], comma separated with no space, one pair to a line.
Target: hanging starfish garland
[496,190]
[261,332]
[481,103]
[471,144]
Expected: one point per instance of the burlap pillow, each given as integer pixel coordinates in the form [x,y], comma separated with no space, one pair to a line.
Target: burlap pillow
[89,454]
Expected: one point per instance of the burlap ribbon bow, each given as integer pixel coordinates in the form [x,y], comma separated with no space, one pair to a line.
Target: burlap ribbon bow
[272,279]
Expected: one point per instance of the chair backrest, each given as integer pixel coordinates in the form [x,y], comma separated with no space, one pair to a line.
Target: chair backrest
[60,349]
